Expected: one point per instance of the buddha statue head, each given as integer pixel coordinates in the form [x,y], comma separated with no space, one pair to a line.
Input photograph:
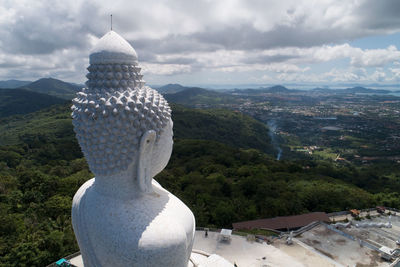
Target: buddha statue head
[123,127]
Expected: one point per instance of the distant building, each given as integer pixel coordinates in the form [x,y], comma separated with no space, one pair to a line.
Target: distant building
[380,209]
[355,213]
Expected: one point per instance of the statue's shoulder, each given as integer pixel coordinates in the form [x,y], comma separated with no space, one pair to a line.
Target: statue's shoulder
[78,197]
[80,224]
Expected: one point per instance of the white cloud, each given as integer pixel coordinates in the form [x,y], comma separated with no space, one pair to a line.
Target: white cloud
[346,75]
[376,57]
[164,69]
[278,68]
[396,74]
[282,39]
[378,76]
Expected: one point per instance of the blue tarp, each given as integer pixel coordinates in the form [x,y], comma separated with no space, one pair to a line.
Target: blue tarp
[60,262]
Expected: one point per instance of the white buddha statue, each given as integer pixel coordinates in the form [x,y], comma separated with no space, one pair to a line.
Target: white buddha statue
[123,217]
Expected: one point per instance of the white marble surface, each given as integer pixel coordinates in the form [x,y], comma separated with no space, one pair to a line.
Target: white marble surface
[112,49]
[148,230]
[123,217]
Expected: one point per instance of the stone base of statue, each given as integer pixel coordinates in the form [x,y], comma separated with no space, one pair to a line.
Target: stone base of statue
[149,230]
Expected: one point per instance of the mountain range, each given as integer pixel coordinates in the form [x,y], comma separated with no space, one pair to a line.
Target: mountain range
[195,96]
[49,86]
[48,91]
[273,89]
[170,88]
[53,87]
[67,90]
[13,83]
[20,101]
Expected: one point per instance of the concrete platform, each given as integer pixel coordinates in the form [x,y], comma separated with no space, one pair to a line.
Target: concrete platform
[197,259]
[243,252]
[317,247]
[238,250]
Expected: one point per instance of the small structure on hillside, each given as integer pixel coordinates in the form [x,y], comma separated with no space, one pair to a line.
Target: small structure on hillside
[375,224]
[341,225]
[381,209]
[225,235]
[289,239]
[386,253]
[355,212]
[63,263]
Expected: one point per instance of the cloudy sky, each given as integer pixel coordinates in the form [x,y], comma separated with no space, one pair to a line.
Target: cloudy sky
[204,42]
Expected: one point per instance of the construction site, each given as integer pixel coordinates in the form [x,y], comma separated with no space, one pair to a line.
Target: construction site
[348,238]
[369,238]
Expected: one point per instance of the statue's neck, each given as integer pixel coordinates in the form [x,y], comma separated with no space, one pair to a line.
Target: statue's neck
[123,185]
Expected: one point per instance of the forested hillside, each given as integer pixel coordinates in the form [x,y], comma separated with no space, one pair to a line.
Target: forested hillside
[19,101]
[13,83]
[195,96]
[41,167]
[53,87]
[225,126]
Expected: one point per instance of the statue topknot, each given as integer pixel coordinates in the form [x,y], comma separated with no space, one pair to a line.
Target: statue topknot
[114,110]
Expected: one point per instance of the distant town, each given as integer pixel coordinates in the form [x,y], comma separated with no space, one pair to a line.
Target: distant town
[356,125]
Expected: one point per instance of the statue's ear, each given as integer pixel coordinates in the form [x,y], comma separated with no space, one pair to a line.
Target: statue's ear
[144,161]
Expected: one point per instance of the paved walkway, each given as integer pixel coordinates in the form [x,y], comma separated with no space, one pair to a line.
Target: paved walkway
[243,252]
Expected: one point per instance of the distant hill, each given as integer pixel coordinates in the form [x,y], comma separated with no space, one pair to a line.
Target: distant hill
[19,101]
[13,83]
[224,126]
[171,88]
[53,87]
[277,89]
[200,97]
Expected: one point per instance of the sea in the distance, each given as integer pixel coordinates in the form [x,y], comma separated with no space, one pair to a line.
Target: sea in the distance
[397,93]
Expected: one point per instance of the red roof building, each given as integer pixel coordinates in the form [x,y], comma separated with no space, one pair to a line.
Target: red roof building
[283,223]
